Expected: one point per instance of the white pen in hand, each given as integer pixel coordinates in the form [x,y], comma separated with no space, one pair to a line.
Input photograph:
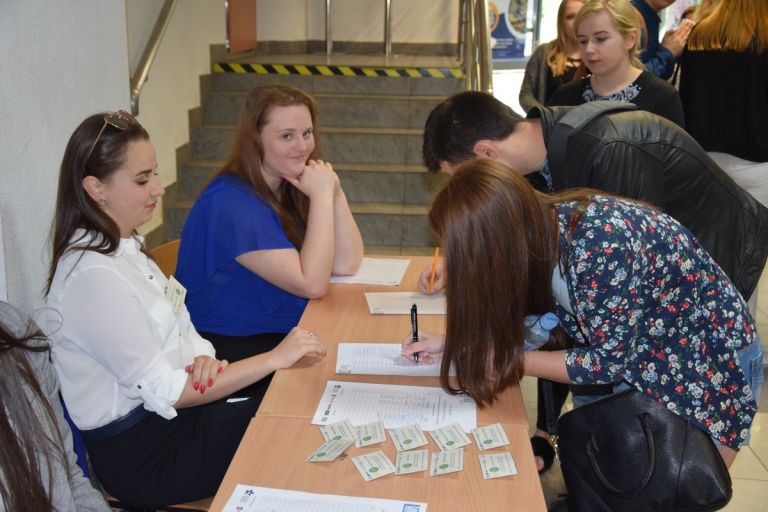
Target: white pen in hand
[415,327]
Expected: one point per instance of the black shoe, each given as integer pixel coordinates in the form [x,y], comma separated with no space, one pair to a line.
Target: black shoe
[542,448]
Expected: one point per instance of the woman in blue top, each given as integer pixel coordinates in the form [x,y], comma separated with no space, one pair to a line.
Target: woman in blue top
[268,231]
[644,302]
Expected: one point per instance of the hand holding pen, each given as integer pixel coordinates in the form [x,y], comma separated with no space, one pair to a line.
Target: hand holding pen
[431,279]
[415,331]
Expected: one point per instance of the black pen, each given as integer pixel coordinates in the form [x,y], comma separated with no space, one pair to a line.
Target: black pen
[415,327]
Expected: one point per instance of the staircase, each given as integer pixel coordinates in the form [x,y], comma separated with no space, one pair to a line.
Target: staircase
[370,122]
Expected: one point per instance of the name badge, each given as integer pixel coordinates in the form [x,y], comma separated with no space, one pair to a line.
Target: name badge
[175,293]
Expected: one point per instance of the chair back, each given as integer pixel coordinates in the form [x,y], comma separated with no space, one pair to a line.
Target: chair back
[165,256]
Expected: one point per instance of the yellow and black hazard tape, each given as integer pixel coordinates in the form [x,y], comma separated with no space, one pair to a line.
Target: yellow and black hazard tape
[308,70]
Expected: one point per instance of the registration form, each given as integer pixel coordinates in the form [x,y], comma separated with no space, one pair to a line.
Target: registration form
[247,498]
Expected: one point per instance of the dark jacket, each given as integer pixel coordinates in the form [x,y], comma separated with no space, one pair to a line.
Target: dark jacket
[643,156]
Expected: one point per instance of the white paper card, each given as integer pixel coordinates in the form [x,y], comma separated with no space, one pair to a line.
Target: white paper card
[450,437]
[411,462]
[370,433]
[381,359]
[490,436]
[380,271]
[396,406]
[399,303]
[408,437]
[373,465]
[175,293]
[450,461]
[340,430]
[330,450]
[247,498]
[497,464]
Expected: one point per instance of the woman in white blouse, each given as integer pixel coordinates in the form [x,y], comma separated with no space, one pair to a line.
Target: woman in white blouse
[133,369]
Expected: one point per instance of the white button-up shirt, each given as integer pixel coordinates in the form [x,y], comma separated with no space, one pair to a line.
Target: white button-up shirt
[117,343]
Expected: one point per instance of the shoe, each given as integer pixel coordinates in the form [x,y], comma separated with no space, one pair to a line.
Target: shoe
[542,448]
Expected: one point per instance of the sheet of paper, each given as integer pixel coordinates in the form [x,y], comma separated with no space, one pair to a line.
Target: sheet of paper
[447,462]
[399,303]
[450,437]
[373,465]
[407,437]
[246,498]
[330,450]
[381,359]
[340,430]
[498,464]
[490,436]
[411,462]
[376,271]
[396,406]
[370,433]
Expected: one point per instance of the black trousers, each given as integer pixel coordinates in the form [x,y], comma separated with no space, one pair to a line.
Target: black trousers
[235,348]
[160,462]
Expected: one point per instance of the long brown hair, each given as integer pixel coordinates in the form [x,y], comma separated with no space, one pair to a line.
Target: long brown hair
[500,246]
[737,25]
[557,57]
[23,439]
[75,209]
[247,154]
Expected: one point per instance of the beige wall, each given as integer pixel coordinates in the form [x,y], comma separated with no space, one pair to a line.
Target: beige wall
[61,61]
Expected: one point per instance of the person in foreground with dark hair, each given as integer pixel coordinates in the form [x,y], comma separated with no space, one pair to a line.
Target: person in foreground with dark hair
[143,387]
[38,466]
[646,305]
[630,153]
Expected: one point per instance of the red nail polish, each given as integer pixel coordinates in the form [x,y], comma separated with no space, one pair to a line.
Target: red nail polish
[196,385]
[221,369]
[210,382]
[202,389]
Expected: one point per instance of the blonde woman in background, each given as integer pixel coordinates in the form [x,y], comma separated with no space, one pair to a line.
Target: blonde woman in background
[554,63]
[608,32]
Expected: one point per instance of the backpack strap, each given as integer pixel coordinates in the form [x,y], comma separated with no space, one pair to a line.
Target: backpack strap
[571,123]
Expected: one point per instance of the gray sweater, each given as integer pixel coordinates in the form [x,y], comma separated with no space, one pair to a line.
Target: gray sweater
[70,490]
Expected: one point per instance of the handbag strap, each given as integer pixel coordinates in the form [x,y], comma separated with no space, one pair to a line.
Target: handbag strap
[550,415]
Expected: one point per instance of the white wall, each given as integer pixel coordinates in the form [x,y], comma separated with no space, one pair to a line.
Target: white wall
[172,87]
[61,61]
[413,21]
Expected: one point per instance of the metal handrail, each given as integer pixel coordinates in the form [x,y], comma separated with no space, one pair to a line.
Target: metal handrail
[387,27]
[475,41]
[142,70]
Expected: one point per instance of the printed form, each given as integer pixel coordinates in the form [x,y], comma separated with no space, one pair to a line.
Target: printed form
[399,303]
[396,406]
[381,359]
[376,271]
[247,498]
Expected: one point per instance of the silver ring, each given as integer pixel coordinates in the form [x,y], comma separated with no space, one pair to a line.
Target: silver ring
[310,334]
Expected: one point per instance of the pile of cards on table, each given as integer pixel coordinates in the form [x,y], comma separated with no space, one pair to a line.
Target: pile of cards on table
[451,441]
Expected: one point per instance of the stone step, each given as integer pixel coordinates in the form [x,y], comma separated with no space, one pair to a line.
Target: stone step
[361,182]
[350,110]
[349,145]
[380,224]
[315,84]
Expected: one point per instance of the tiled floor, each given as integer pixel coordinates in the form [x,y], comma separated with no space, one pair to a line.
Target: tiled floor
[750,471]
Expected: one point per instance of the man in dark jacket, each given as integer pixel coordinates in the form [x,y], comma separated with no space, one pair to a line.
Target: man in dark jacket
[625,152]
[630,153]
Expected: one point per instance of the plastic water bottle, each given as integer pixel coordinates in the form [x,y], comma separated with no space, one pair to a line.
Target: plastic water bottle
[538,328]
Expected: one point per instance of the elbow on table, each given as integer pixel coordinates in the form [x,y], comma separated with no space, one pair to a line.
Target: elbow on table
[316,290]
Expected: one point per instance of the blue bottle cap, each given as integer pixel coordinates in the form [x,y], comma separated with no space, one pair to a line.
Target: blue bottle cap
[549,321]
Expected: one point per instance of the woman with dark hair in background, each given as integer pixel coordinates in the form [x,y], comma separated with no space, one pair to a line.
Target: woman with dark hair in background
[38,467]
[645,304]
[267,232]
[143,387]
[554,63]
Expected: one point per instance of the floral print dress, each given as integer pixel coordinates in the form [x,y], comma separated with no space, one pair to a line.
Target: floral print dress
[652,308]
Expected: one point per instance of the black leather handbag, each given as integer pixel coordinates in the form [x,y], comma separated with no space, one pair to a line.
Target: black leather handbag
[627,453]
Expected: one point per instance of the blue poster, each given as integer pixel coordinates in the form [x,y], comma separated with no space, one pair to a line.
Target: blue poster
[508,20]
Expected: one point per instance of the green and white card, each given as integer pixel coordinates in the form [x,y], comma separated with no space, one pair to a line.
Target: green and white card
[490,436]
[330,450]
[408,437]
[373,465]
[495,465]
[370,433]
[340,430]
[411,462]
[450,437]
[447,462]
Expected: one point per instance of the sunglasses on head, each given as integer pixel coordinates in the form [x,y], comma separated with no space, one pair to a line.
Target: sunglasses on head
[121,120]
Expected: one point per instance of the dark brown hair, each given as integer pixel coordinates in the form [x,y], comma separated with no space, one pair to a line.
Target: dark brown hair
[74,207]
[23,439]
[500,245]
[247,154]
